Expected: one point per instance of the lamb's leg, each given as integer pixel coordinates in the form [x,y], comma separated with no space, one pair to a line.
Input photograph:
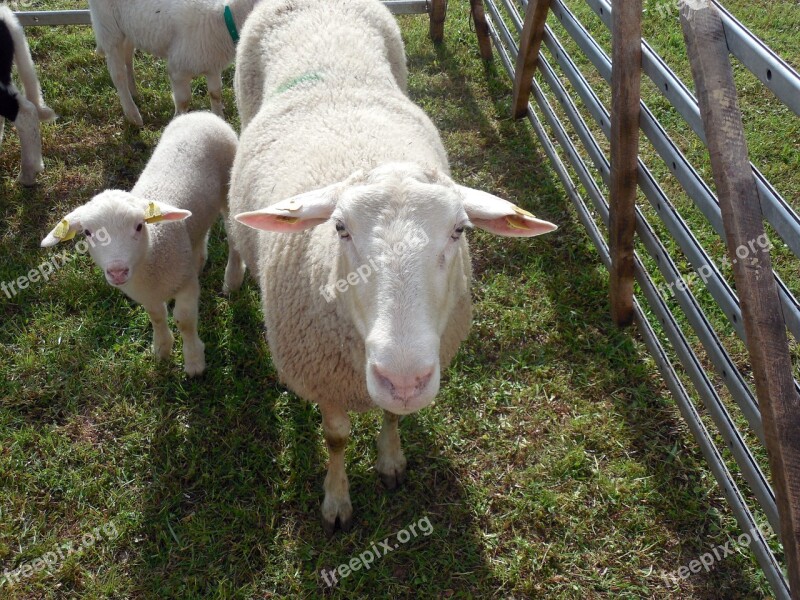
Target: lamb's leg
[181,91]
[234,270]
[30,140]
[392,463]
[336,506]
[186,307]
[128,49]
[162,336]
[115,59]
[2,128]
[214,83]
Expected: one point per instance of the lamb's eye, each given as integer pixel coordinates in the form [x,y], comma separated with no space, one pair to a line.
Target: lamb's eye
[457,232]
[139,227]
[340,228]
[87,233]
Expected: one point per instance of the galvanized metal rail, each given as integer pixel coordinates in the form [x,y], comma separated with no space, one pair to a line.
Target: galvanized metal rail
[656,302]
[785,219]
[81,17]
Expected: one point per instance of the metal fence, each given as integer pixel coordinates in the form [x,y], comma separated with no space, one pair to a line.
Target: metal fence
[81,17]
[518,32]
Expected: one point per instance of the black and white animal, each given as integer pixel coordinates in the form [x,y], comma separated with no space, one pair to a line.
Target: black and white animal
[25,111]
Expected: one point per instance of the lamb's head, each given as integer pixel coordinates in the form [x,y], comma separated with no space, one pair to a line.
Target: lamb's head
[403,264]
[116,225]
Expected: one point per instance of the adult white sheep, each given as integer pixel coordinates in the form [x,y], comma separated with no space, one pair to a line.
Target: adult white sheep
[254,70]
[368,305]
[197,37]
[25,111]
[153,239]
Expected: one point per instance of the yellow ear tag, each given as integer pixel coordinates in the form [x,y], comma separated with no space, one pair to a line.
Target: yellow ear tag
[152,214]
[63,232]
[521,211]
[511,223]
[289,220]
[291,205]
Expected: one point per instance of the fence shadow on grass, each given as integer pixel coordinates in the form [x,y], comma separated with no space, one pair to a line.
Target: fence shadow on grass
[584,339]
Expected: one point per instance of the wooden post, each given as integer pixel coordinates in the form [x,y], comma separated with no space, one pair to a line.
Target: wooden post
[764,326]
[626,72]
[438,14]
[529,44]
[481,29]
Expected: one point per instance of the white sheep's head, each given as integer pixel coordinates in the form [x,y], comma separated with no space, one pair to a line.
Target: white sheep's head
[115,224]
[403,257]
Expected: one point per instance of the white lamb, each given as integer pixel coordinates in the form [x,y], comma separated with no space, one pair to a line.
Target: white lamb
[154,239]
[24,111]
[367,305]
[196,37]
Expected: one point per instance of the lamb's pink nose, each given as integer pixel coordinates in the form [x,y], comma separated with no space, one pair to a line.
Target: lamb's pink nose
[117,275]
[403,386]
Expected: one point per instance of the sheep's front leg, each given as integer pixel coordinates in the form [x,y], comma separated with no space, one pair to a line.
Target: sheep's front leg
[162,336]
[214,83]
[115,59]
[181,91]
[392,463]
[336,506]
[235,269]
[186,308]
[30,141]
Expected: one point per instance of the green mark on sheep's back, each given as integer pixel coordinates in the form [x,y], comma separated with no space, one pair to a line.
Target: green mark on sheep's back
[299,80]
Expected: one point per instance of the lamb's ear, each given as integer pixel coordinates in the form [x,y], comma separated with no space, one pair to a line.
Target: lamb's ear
[294,214]
[156,212]
[501,217]
[65,230]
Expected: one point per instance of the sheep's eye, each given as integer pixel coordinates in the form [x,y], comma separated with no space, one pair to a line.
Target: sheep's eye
[87,233]
[341,230]
[139,227]
[457,232]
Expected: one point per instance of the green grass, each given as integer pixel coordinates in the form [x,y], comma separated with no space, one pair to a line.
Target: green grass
[554,463]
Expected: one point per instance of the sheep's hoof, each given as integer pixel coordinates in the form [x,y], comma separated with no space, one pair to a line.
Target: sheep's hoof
[135,118]
[337,514]
[393,479]
[392,469]
[46,114]
[344,525]
[27,180]
[195,367]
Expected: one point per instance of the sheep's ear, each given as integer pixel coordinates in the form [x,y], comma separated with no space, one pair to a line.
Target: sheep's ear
[501,217]
[156,212]
[65,230]
[294,214]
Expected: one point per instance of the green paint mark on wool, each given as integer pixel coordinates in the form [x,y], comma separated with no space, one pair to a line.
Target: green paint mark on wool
[295,81]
